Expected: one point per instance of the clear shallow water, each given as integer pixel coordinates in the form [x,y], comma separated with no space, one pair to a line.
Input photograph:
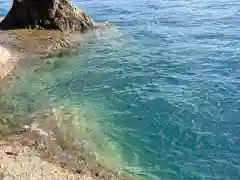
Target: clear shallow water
[163,84]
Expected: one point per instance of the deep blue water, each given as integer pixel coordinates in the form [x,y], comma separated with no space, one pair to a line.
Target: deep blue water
[166,81]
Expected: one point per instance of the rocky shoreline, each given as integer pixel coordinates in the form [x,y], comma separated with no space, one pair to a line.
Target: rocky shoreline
[27,151]
[44,149]
[35,44]
[42,145]
[40,29]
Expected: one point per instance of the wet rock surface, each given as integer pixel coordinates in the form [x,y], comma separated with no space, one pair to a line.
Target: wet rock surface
[27,42]
[20,44]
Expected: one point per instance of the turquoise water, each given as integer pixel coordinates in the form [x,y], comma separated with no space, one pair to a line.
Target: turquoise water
[163,83]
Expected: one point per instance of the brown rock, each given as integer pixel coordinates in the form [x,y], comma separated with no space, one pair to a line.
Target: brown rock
[46,14]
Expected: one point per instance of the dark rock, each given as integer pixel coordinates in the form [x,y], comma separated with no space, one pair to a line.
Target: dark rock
[78,171]
[46,14]
[11,153]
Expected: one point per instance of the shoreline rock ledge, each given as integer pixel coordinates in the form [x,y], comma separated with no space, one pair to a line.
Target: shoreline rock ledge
[46,14]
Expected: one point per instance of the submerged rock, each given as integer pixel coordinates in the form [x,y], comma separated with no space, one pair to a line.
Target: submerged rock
[46,14]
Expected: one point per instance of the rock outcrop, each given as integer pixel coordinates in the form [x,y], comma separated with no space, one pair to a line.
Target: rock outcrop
[46,14]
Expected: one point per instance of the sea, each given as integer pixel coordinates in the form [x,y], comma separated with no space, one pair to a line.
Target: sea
[156,95]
